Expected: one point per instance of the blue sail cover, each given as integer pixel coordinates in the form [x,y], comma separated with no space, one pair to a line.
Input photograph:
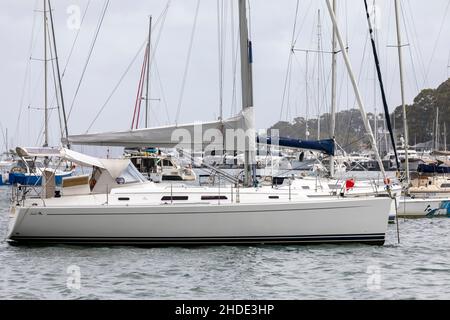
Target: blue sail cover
[325,146]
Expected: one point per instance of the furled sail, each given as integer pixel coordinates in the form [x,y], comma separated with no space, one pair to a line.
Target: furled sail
[325,146]
[193,136]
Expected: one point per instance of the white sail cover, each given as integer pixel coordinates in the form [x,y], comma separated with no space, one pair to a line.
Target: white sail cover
[193,136]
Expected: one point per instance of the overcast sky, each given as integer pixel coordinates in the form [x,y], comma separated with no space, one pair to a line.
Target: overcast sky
[425,29]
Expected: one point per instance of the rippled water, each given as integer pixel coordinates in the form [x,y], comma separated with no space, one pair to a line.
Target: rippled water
[418,268]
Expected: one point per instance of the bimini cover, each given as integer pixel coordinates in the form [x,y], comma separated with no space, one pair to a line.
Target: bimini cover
[325,146]
[63,153]
[195,136]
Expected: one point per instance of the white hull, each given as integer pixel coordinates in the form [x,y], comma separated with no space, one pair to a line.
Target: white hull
[417,208]
[327,221]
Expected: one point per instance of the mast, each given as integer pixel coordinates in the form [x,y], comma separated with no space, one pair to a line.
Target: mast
[307,95]
[319,36]
[45,77]
[59,77]
[445,136]
[402,88]
[437,130]
[147,100]
[333,89]
[355,88]
[247,86]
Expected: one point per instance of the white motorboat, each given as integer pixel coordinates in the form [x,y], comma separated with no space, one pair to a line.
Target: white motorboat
[115,204]
[425,194]
[417,207]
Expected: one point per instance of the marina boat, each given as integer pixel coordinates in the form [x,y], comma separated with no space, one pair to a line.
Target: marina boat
[413,158]
[442,211]
[116,204]
[437,167]
[29,172]
[426,194]
[5,168]
[414,208]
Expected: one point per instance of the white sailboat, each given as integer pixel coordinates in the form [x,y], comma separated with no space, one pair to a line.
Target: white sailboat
[415,203]
[115,204]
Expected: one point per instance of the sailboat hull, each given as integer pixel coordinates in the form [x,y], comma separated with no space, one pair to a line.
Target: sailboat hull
[334,221]
[418,208]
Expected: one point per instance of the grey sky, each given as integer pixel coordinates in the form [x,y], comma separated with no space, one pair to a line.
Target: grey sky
[125,28]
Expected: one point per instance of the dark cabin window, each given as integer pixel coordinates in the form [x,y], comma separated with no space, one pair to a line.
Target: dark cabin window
[214,198]
[175,198]
[124,199]
[445,185]
[274,197]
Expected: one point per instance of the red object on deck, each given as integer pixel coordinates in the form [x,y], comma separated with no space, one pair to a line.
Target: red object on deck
[349,184]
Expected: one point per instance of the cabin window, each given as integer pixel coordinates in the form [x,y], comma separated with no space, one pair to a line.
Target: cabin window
[124,199]
[167,163]
[175,198]
[445,185]
[274,197]
[305,187]
[214,198]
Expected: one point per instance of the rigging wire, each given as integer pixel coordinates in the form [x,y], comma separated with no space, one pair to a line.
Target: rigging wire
[289,64]
[27,75]
[234,58]
[188,60]
[75,40]
[162,90]
[444,19]
[418,50]
[221,39]
[117,85]
[91,49]
[161,20]
[409,50]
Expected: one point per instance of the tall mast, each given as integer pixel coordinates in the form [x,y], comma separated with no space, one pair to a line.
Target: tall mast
[402,87]
[66,129]
[45,77]
[319,36]
[149,45]
[307,95]
[333,88]
[247,85]
[355,88]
